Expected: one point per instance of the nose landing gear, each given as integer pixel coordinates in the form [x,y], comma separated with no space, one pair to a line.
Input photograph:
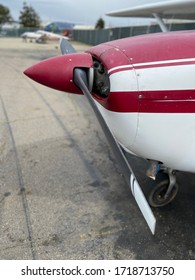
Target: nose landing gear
[165,188]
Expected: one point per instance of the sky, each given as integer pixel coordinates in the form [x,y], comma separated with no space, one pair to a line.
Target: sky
[85,12]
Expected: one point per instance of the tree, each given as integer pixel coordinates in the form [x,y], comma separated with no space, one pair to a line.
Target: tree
[5,15]
[100,24]
[29,17]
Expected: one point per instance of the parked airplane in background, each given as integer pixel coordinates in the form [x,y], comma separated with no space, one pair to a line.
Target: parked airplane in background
[32,36]
[175,9]
[41,36]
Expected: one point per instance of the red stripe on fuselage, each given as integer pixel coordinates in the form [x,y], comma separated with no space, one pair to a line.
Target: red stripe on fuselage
[168,101]
[120,101]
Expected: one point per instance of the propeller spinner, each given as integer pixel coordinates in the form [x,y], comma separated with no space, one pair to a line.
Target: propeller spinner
[58,72]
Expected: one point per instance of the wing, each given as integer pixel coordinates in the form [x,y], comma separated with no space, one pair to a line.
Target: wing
[167,9]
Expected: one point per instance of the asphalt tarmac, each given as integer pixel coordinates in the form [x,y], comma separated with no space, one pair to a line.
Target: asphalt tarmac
[62,195]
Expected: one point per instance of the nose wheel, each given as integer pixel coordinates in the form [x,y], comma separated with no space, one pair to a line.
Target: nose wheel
[165,189]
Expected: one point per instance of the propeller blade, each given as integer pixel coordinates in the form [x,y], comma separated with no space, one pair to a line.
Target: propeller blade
[81,80]
[66,47]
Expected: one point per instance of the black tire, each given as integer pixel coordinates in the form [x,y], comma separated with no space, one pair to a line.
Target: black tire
[157,196]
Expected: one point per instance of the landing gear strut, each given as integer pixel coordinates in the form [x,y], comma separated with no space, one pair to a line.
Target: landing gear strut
[165,188]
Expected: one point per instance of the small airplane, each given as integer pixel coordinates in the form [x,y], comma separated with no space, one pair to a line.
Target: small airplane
[142,90]
[32,36]
[42,36]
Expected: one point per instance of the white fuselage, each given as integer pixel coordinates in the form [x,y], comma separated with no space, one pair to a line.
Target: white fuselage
[168,137]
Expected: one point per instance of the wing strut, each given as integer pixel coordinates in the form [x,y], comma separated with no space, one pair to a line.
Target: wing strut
[161,22]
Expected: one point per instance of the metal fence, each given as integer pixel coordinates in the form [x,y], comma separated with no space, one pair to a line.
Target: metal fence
[15,32]
[94,37]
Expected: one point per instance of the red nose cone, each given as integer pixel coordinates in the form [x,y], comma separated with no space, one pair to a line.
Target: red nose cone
[57,72]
